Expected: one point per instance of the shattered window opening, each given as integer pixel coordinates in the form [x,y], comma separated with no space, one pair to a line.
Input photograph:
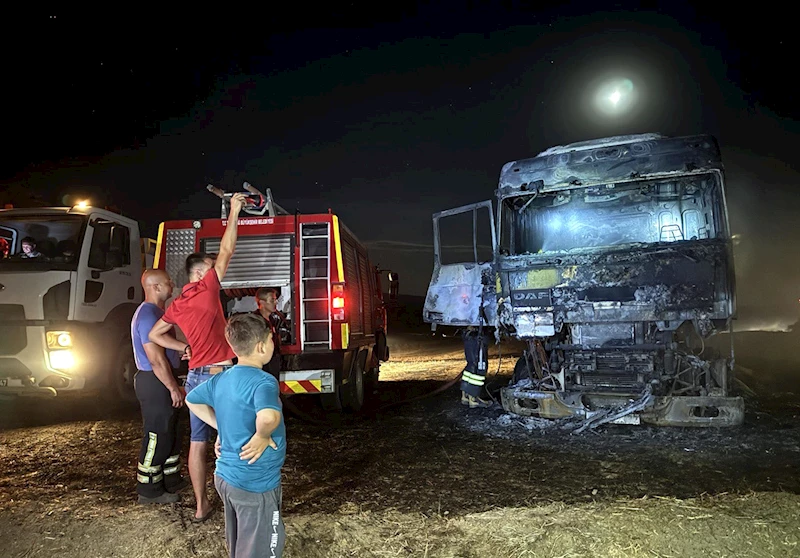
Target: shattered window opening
[643,212]
[466,237]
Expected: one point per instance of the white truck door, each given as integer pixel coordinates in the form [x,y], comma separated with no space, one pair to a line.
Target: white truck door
[462,289]
[109,271]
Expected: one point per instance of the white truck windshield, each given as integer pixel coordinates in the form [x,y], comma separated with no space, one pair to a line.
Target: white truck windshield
[44,240]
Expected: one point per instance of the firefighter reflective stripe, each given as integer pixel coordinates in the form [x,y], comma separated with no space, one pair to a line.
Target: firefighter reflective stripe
[151,448]
[172,470]
[152,469]
[301,386]
[144,479]
[172,459]
[474,379]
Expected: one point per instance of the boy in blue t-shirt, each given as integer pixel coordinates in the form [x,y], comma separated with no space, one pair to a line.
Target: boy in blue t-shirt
[243,405]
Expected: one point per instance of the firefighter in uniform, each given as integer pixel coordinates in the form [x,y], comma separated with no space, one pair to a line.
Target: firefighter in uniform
[267,299]
[473,378]
[160,397]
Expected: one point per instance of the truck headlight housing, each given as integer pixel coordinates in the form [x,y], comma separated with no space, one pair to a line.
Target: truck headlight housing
[59,339]
[62,359]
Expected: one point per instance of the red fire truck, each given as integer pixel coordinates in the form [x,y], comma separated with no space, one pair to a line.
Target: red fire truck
[329,291]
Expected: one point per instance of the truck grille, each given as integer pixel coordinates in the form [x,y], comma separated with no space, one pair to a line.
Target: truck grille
[610,369]
[13,337]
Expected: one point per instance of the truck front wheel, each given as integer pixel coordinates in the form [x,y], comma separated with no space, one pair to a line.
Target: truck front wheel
[122,372]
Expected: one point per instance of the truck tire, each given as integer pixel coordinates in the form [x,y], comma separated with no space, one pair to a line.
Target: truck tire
[353,392]
[381,346]
[122,373]
[331,401]
[371,382]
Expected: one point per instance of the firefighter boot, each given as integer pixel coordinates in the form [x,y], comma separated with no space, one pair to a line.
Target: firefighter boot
[473,377]
[164,498]
[477,402]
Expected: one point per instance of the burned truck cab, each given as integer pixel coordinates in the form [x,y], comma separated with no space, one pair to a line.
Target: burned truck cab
[613,260]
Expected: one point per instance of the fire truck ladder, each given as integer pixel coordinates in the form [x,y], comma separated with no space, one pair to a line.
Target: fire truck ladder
[315,268]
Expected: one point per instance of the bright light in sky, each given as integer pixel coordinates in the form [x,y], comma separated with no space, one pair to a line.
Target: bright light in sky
[615,97]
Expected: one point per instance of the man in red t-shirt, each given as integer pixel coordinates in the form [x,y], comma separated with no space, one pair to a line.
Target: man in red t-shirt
[199,315]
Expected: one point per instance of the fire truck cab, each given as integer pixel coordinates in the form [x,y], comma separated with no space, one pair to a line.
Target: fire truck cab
[334,338]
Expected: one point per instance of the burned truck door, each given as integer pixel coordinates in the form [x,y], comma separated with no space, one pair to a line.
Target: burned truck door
[462,290]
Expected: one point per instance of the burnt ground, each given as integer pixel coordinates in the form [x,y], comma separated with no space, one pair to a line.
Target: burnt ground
[374,484]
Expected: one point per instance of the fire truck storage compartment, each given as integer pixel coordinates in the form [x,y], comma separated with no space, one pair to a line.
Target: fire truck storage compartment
[359,286]
[259,261]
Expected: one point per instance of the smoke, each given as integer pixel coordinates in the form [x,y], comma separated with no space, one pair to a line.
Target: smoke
[780,325]
[763,204]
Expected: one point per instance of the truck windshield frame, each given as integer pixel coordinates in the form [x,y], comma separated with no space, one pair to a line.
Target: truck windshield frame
[59,238]
[675,209]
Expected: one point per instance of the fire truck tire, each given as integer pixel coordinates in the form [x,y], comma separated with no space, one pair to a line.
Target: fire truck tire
[121,374]
[331,401]
[371,381]
[353,392]
[381,346]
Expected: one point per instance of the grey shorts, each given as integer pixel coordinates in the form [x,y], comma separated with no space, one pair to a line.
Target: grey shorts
[253,521]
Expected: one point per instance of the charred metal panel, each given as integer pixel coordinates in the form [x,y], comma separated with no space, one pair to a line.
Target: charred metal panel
[533,324]
[602,335]
[462,294]
[652,283]
[457,292]
[610,160]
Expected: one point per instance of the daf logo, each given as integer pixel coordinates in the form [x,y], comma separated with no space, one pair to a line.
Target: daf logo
[531,296]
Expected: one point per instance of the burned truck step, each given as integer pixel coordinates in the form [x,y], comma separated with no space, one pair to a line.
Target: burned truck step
[697,411]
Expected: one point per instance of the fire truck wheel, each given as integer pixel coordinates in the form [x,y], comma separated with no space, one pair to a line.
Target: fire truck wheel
[381,346]
[353,394]
[121,374]
[371,381]
[330,401]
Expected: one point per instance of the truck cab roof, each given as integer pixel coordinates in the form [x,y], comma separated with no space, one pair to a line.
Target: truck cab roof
[609,160]
[89,210]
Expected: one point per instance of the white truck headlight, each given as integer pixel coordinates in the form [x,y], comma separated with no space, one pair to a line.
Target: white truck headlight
[59,339]
[62,359]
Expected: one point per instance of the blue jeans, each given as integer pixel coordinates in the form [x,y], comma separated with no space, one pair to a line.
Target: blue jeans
[200,431]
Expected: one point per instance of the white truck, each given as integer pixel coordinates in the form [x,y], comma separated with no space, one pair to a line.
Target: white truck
[66,305]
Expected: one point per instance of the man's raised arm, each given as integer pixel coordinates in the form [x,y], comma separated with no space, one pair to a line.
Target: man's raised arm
[228,243]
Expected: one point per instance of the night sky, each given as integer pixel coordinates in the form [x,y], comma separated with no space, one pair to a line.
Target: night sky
[387,118]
